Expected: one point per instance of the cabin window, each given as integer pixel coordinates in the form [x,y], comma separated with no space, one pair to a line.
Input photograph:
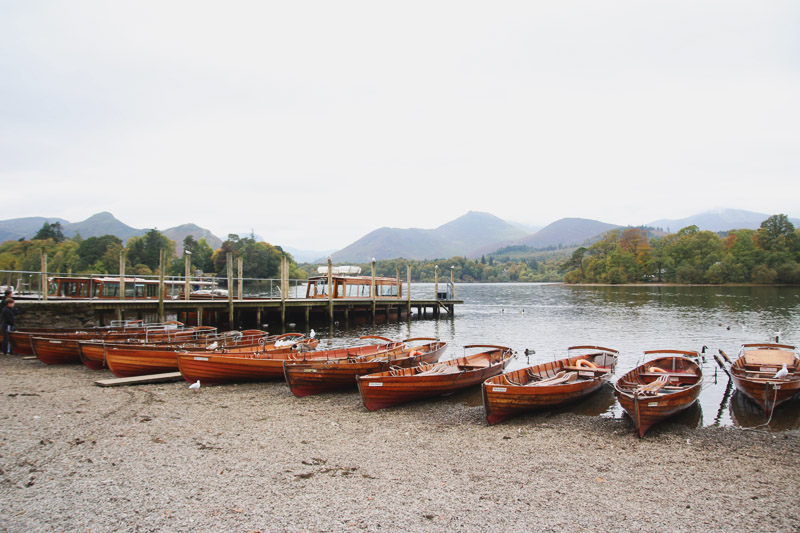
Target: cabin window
[69,288]
[151,291]
[352,291]
[139,291]
[110,290]
[130,290]
[339,290]
[83,289]
[321,288]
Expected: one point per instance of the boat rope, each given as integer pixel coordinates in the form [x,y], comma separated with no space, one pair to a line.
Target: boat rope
[771,411]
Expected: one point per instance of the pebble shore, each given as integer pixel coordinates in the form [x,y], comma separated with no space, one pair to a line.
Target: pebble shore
[252,457]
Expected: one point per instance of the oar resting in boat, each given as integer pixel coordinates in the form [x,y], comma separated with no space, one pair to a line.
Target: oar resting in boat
[654,387]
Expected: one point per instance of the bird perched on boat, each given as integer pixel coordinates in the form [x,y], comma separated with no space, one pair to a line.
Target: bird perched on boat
[195,385]
[212,346]
[782,373]
[312,333]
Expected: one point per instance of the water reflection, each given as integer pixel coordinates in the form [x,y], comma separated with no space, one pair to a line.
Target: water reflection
[549,318]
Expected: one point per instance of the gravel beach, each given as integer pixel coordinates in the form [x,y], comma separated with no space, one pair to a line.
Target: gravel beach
[162,457]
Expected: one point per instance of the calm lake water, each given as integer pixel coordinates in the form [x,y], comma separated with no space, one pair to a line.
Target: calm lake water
[548,318]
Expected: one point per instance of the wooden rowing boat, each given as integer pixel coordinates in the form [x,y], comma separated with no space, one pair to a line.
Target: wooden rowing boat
[758,374]
[549,384]
[21,344]
[215,368]
[92,352]
[398,385]
[312,377]
[62,347]
[130,360]
[659,388]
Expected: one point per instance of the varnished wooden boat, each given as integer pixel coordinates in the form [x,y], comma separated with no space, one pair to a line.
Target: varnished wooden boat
[215,368]
[20,338]
[659,388]
[61,347]
[131,360]
[312,377]
[756,374]
[548,384]
[93,351]
[398,385]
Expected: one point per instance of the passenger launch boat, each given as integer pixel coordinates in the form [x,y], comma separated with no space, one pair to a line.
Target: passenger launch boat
[397,385]
[548,384]
[660,388]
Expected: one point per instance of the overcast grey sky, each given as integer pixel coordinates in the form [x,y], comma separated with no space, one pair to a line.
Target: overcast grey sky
[313,123]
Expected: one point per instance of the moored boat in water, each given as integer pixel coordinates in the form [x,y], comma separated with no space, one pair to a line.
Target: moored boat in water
[398,385]
[311,377]
[548,384]
[660,388]
[767,373]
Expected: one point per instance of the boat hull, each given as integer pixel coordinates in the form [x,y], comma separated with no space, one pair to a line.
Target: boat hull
[214,368]
[754,371]
[515,392]
[645,410]
[92,354]
[314,377]
[56,351]
[386,389]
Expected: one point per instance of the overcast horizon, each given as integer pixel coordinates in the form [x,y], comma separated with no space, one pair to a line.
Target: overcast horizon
[313,124]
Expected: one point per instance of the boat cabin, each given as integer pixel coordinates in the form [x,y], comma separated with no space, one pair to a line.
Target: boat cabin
[109,288]
[346,285]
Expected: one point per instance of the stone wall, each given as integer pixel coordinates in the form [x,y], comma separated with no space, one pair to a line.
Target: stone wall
[60,314]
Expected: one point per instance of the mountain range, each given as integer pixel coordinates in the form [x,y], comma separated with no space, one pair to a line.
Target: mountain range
[471,235]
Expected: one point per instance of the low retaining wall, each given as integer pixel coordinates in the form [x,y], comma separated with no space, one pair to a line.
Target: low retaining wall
[61,314]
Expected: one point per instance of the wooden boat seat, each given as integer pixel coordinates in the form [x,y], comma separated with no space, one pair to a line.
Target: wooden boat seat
[440,369]
[598,370]
[770,357]
[668,374]
[561,377]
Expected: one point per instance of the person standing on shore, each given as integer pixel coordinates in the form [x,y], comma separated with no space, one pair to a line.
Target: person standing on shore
[7,323]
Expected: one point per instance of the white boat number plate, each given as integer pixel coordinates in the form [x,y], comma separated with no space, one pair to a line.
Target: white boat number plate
[375,384]
[200,358]
[499,389]
[55,342]
[312,370]
[652,404]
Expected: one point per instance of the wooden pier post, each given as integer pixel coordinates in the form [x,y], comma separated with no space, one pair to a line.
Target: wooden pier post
[161,260]
[284,287]
[43,288]
[122,277]
[187,260]
[229,263]
[408,290]
[372,291]
[240,265]
[330,290]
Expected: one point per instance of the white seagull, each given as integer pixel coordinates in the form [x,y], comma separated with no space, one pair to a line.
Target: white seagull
[782,373]
[312,333]
[212,346]
[195,385]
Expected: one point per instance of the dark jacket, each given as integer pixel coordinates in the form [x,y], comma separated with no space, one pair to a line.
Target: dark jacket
[8,316]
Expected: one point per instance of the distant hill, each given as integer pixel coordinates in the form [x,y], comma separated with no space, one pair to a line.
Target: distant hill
[563,233]
[179,233]
[21,228]
[459,237]
[718,220]
[100,224]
